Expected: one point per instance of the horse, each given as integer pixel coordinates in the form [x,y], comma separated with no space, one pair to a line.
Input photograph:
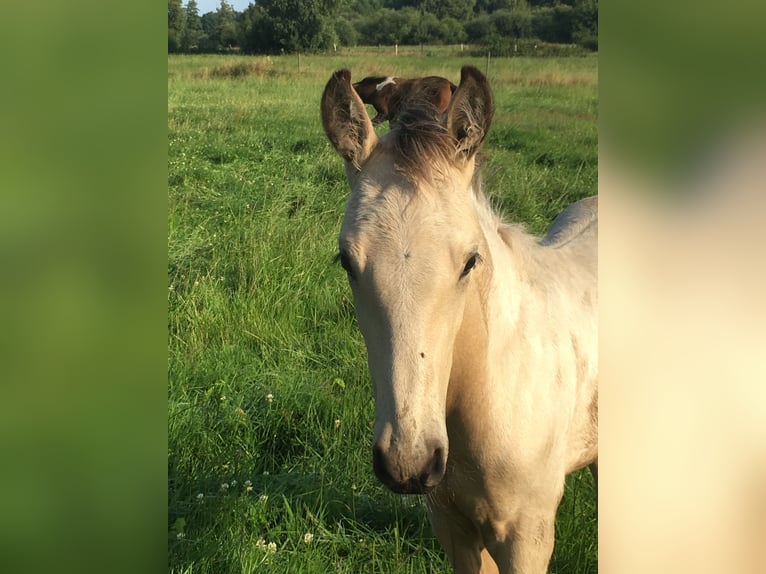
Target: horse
[386,93]
[481,338]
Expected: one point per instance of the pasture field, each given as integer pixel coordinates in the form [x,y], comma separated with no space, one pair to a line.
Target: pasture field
[269,403]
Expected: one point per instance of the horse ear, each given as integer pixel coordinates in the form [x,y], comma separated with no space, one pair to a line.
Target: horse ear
[470,111]
[345,120]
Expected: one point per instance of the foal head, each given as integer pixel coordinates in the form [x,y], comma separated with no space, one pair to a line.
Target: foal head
[412,246]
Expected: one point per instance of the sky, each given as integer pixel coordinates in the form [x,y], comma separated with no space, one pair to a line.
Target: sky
[206,6]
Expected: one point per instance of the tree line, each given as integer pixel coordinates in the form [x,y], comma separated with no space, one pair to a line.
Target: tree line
[277,26]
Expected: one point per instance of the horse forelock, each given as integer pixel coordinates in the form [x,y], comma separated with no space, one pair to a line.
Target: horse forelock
[423,147]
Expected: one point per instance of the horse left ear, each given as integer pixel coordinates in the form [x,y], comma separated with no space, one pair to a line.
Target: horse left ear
[470,111]
[345,120]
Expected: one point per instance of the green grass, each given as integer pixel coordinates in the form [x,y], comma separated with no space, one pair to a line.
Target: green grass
[267,372]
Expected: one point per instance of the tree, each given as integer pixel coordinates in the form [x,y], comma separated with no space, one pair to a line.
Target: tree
[363,6]
[553,24]
[479,29]
[255,33]
[209,42]
[512,23]
[427,31]
[490,6]
[297,25]
[457,9]
[193,34]
[221,29]
[226,28]
[176,18]
[452,31]
[346,33]
[585,24]
[389,27]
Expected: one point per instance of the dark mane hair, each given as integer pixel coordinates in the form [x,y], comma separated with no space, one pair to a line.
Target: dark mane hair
[421,141]
[371,80]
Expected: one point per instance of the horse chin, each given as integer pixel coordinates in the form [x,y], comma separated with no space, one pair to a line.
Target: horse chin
[412,486]
[418,485]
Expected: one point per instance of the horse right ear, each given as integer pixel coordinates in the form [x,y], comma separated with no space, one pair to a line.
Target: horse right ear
[470,111]
[345,120]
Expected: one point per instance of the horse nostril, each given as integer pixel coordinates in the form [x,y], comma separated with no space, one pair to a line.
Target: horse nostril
[379,464]
[440,461]
[435,470]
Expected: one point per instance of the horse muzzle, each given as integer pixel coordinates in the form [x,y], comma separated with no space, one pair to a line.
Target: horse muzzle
[418,478]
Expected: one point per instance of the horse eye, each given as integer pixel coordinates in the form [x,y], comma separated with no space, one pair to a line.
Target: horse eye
[345,262]
[470,264]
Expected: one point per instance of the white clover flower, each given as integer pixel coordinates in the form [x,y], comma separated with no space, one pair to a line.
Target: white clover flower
[180,535]
[337,423]
[264,498]
[270,398]
[271,547]
[308,537]
[248,483]
[248,489]
[200,496]
[233,483]
[224,486]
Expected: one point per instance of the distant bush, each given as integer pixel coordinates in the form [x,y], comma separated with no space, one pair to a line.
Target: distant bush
[504,47]
[589,42]
[240,69]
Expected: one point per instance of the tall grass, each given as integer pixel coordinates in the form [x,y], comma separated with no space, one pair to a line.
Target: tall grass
[270,409]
